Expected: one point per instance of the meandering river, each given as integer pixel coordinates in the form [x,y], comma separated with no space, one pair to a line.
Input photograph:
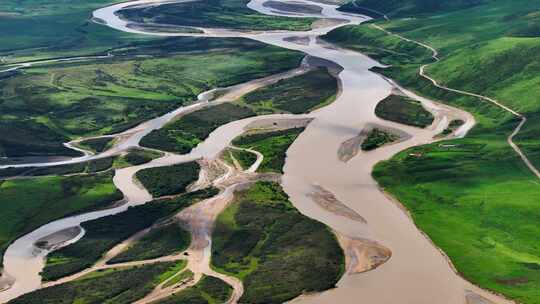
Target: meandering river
[417,273]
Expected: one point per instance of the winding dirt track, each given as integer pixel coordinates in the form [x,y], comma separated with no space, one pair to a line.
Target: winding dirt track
[435,56]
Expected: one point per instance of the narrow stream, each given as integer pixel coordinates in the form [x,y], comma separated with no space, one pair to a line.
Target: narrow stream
[417,273]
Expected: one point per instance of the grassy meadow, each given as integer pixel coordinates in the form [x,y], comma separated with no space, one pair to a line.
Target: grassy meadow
[296,95]
[209,290]
[403,110]
[169,180]
[30,203]
[162,241]
[116,285]
[277,252]
[104,233]
[45,106]
[231,14]
[474,197]
[272,145]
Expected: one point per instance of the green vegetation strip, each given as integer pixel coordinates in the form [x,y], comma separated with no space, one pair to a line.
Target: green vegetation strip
[187,132]
[277,252]
[244,158]
[300,94]
[96,145]
[169,180]
[119,286]
[272,145]
[162,241]
[104,233]
[404,110]
[215,14]
[30,203]
[46,106]
[377,138]
[209,290]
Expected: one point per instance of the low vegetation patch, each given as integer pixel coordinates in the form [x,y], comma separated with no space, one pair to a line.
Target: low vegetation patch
[272,145]
[104,233]
[187,132]
[208,290]
[245,159]
[30,203]
[300,94]
[96,145]
[277,252]
[48,105]
[215,14]
[162,241]
[161,181]
[404,110]
[119,286]
[377,138]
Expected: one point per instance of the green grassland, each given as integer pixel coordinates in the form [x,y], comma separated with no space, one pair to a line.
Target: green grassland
[402,8]
[96,145]
[377,138]
[45,106]
[209,290]
[244,158]
[186,133]
[170,180]
[132,158]
[30,203]
[272,145]
[277,252]
[296,95]
[214,14]
[37,29]
[159,242]
[104,233]
[403,110]
[118,286]
[474,197]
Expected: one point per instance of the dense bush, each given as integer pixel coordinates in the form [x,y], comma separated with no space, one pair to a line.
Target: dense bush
[119,286]
[276,251]
[272,145]
[184,134]
[104,233]
[295,95]
[161,181]
[404,110]
[160,242]
[208,290]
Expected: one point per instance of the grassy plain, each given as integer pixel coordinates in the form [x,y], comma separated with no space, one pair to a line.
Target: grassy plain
[119,286]
[277,252]
[169,180]
[403,110]
[209,290]
[45,106]
[300,94]
[244,158]
[104,233]
[30,203]
[159,242]
[215,14]
[478,185]
[186,133]
[272,145]
[377,138]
